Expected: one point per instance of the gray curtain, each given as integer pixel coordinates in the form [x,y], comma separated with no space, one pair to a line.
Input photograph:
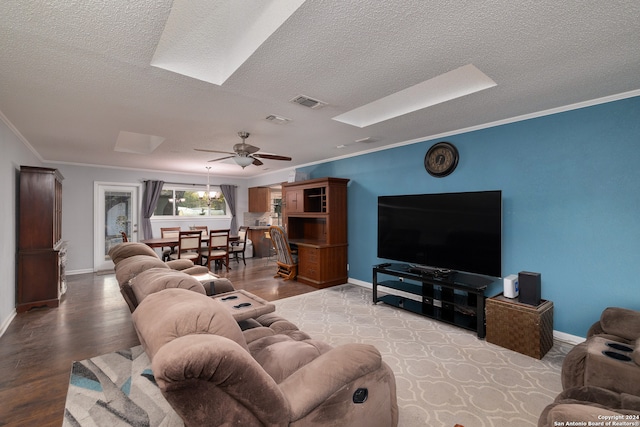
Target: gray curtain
[152,190]
[229,193]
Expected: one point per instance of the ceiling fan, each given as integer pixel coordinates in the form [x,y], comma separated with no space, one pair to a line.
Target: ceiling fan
[245,154]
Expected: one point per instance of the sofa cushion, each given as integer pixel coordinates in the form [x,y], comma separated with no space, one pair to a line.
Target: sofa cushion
[130,267]
[280,355]
[157,279]
[129,249]
[171,313]
[621,322]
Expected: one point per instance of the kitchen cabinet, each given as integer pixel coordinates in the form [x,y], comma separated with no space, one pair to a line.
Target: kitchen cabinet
[259,199]
[291,197]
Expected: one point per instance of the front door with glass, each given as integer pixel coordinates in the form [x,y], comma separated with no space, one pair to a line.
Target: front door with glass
[116,207]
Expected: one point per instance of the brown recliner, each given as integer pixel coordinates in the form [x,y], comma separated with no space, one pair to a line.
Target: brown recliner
[133,259]
[601,376]
[213,373]
[610,357]
[590,404]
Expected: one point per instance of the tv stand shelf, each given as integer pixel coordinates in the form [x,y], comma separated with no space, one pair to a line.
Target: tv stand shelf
[457,298]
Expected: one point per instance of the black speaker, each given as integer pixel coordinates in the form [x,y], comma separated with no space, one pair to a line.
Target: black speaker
[529,287]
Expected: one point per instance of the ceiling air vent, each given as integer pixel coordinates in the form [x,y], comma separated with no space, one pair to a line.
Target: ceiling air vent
[366,140]
[308,102]
[278,120]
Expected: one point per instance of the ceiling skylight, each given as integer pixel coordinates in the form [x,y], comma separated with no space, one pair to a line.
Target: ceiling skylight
[210,39]
[138,143]
[445,87]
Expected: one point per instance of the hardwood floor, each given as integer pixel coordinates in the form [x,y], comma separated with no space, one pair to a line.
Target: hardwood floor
[37,349]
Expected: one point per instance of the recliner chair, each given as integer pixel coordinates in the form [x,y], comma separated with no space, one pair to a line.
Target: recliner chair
[272,374]
[601,376]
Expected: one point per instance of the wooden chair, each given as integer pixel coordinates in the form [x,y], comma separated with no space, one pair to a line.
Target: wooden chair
[205,232]
[238,247]
[218,248]
[188,245]
[167,233]
[287,260]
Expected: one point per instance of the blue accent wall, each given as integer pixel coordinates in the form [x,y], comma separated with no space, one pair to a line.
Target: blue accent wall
[571,202]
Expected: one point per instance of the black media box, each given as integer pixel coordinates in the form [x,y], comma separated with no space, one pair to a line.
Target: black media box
[529,287]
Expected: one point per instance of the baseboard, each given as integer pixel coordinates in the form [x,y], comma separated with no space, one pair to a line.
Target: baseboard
[75,272]
[568,338]
[360,283]
[7,322]
[557,335]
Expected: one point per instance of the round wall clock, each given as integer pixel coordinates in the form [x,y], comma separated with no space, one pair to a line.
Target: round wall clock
[441,159]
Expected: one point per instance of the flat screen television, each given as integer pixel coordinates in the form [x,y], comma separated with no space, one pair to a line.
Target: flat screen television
[448,231]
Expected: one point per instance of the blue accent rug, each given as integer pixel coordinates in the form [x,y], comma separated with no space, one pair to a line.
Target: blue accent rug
[117,389]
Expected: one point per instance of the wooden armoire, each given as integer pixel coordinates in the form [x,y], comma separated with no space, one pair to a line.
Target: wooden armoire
[41,251]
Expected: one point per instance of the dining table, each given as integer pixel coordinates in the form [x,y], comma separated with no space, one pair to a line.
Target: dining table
[166,242]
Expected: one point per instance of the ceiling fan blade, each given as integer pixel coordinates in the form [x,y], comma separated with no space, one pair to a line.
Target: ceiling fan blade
[257,162]
[245,148]
[212,151]
[222,158]
[272,156]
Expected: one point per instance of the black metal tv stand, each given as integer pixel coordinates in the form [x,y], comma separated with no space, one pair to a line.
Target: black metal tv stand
[451,297]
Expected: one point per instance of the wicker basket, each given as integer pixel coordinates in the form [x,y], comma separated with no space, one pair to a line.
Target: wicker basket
[520,327]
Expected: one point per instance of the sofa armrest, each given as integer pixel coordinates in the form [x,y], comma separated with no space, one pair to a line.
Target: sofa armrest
[560,414]
[586,404]
[328,373]
[209,377]
[179,264]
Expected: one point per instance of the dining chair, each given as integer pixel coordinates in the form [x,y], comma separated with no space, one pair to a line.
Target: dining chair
[286,260]
[217,248]
[188,245]
[169,233]
[205,232]
[238,247]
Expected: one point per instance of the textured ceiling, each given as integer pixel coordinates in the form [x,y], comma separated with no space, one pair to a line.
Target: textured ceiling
[75,74]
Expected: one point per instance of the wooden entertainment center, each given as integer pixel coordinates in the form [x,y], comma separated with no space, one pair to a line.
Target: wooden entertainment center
[315,217]
[457,298]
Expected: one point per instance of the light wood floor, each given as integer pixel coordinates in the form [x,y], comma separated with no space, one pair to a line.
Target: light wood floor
[38,348]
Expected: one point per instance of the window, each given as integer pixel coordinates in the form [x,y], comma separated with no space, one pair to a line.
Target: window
[176,201]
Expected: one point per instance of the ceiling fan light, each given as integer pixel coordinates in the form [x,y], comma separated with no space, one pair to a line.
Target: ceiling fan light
[243,161]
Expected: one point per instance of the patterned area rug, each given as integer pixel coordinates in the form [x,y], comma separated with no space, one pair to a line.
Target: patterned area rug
[445,375]
[116,389]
